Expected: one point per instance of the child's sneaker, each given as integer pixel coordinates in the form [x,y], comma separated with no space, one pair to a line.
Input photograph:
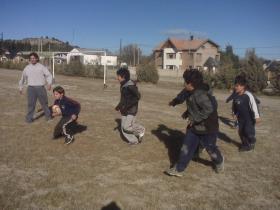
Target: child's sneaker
[246,148]
[69,139]
[220,167]
[140,138]
[133,143]
[173,172]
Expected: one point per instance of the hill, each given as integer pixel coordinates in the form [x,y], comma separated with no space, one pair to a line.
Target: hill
[34,44]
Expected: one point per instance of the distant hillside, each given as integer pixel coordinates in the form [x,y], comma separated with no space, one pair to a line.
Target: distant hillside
[34,44]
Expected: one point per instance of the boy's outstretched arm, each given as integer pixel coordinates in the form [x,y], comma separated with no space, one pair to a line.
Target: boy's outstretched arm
[180,98]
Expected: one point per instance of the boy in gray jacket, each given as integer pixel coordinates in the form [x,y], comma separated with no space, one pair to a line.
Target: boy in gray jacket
[128,107]
[203,123]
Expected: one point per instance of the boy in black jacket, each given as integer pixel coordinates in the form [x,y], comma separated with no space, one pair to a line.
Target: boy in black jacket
[128,107]
[245,109]
[69,111]
[203,122]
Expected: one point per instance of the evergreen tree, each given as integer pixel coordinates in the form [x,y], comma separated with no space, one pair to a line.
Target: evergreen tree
[252,68]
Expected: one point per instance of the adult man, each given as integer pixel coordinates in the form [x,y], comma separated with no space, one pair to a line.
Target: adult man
[36,75]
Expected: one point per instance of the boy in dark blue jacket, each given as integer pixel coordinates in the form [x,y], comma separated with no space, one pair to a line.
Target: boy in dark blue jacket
[203,123]
[70,110]
[246,111]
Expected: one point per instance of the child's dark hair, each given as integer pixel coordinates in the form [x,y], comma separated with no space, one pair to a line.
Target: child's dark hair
[124,73]
[240,80]
[35,55]
[59,89]
[194,77]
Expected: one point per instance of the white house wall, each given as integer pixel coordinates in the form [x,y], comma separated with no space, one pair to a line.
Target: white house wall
[173,62]
[91,59]
[109,60]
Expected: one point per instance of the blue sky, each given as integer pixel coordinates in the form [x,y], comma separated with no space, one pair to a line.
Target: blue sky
[101,24]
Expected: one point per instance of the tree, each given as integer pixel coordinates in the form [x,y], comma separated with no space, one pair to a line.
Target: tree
[251,66]
[130,54]
[228,69]
[275,75]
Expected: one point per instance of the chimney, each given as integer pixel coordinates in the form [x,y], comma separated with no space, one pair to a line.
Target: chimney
[191,37]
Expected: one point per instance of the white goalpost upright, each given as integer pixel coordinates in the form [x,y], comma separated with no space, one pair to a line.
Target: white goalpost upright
[81,54]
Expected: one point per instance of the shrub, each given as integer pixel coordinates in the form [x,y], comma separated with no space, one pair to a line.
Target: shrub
[74,68]
[147,73]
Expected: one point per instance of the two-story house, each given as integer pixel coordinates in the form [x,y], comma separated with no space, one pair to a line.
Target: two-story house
[183,54]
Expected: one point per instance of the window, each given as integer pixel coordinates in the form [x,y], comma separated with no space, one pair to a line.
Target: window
[198,57]
[180,56]
[170,55]
[191,55]
[217,58]
[170,67]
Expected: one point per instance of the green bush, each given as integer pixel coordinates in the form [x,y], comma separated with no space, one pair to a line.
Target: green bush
[147,73]
[76,68]
[95,71]
[11,65]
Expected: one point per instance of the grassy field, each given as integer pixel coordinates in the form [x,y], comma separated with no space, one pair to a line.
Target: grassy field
[100,171]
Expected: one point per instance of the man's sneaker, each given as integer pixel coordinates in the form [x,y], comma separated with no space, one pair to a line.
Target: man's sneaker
[69,139]
[173,172]
[220,167]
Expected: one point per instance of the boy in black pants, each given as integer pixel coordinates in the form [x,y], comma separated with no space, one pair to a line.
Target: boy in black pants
[69,111]
[246,111]
[203,123]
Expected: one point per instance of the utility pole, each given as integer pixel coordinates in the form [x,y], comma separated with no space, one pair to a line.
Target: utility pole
[38,45]
[134,55]
[138,54]
[1,44]
[120,48]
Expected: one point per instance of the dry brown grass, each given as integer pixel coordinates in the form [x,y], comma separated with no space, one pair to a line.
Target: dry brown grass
[99,168]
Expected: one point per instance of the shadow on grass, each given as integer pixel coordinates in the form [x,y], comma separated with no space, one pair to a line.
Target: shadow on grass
[173,140]
[227,121]
[40,113]
[227,139]
[111,206]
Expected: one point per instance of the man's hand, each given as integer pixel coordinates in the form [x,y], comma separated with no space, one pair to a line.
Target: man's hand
[258,120]
[49,87]
[74,117]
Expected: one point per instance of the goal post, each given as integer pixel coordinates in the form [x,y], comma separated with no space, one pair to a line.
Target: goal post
[78,53]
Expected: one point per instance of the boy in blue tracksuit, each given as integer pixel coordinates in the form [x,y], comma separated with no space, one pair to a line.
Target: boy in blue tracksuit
[203,123]
[70,110]
[246,111]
